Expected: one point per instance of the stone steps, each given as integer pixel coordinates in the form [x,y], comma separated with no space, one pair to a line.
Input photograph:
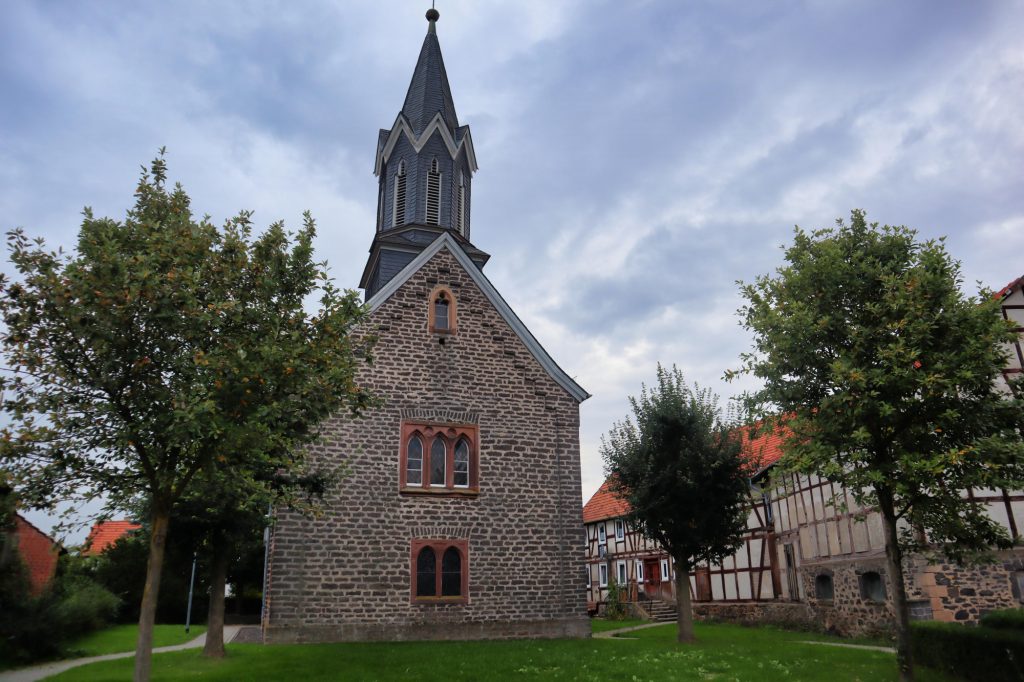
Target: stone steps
[660,611]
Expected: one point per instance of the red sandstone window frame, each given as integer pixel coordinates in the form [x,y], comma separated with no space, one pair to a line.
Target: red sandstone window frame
[432,312]
[452,434]
[439,547]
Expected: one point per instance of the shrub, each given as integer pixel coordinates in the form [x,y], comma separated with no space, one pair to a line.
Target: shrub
[83,607]
[38,627]
[614,608]
[969,653]
[1004,619]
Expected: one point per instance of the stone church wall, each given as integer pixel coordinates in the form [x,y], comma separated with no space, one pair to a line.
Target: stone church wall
[346,575]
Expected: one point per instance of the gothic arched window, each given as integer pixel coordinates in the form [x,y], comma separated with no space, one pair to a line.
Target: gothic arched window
[439,459]
[440,570]
[438,462]
[451,573]
[434,194]
[414,461]
[461,466]
[441,315]
[426,573]
[398,210]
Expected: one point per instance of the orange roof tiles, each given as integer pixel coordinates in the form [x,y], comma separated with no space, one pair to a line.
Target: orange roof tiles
[765,449]
[604,504]
[761,452]
[106,533]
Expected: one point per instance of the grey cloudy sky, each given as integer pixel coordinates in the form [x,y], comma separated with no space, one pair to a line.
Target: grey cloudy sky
[636,157]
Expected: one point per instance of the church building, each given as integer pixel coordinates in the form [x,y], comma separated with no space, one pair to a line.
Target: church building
[458,516]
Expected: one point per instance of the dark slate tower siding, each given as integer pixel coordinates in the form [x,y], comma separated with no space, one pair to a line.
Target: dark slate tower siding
[429,97]
[417,166]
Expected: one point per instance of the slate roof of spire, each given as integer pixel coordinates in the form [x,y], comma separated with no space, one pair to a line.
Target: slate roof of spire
[429,92]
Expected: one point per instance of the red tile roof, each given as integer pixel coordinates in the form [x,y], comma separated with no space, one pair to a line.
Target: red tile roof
[604,504]
[765,449]
[1008,289]
[761,452]
[106,533]
[38,551]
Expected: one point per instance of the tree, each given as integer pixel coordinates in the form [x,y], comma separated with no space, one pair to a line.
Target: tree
[225,518]
[679,467]
[164,346]
[885,373]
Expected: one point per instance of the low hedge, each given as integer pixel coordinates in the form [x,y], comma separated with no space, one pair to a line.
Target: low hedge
[969,653]
[1004,619]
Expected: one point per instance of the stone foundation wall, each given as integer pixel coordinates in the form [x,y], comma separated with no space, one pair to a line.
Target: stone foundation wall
[957,593]
[397,632]
[944,592]
[792,615]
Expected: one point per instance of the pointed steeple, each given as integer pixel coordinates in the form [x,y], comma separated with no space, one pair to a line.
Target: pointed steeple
[425,164]
[429,92]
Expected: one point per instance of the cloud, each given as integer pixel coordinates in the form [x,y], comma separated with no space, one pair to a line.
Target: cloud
[636,158]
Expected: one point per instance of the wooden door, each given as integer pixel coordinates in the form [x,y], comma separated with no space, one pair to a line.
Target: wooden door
[703,580]
[652,578]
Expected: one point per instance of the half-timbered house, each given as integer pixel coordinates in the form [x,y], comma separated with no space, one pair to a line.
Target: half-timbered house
[644,572]
[812,555]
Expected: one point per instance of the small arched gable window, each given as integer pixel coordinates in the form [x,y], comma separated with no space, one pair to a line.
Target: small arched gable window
[441,314]
[434,193]
[398,210]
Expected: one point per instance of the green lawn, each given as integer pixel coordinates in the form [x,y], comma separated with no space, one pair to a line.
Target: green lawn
[122,638]
[604,625]
[724,652]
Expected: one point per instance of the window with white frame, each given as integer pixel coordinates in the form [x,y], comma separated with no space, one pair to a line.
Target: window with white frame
[620,572]
[602,538]
[602,575]
[639,571]
[586,569]
[620,529]
[665,575]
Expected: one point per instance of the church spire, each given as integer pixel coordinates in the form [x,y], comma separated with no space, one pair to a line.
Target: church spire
[429,92]
[425,165]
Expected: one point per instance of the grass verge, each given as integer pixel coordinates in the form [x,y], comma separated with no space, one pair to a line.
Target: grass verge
[122,638]
[723,652]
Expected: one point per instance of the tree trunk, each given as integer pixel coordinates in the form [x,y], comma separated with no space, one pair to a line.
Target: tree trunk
[214,647]
[160,520]
[684,609]
[894,565]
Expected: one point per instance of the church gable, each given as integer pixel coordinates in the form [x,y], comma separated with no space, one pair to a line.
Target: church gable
[503,324]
